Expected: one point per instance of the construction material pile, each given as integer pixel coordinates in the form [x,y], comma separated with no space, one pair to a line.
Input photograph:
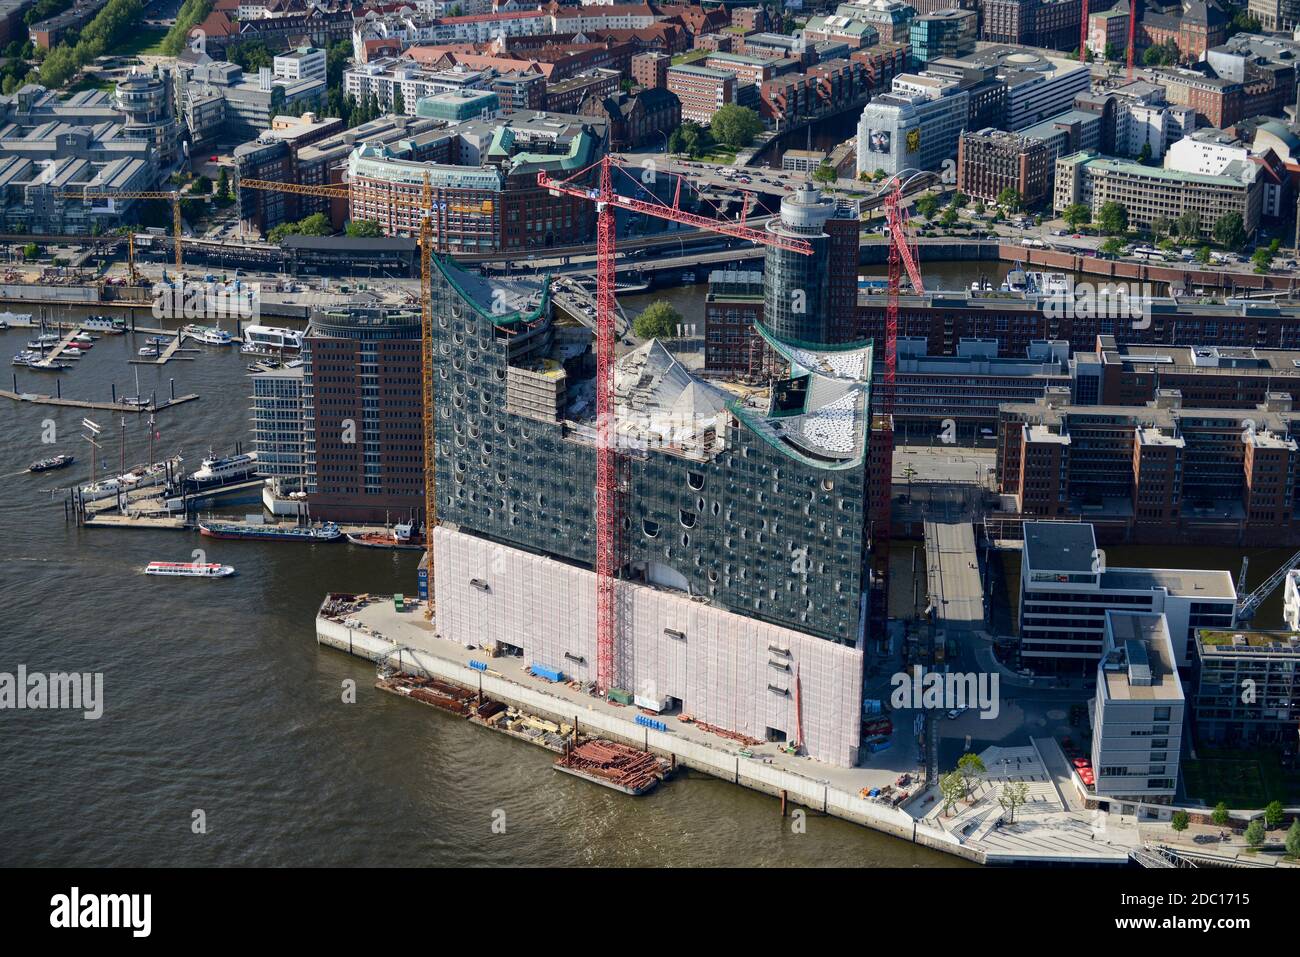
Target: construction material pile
[626,768]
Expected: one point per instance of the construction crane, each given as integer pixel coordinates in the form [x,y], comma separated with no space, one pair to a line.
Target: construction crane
[1083,35]
[608,498]
[425,206]
[1249,604]
[172,196]
[1132,33]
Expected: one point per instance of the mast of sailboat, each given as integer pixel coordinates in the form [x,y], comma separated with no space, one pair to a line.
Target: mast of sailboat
[151,441]
[122,445]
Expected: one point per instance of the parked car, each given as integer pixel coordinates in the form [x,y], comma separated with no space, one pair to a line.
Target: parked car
[956,712]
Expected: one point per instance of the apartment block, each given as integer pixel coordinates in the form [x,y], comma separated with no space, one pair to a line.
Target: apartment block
[990,161]
[1247,688]
[702,91]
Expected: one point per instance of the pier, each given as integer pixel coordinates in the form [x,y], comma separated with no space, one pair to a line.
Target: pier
[38,398]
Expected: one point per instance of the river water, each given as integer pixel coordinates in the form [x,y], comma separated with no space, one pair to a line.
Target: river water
[218,700]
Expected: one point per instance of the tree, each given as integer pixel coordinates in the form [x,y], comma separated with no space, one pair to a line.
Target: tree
[364,229]
[1220,815]
[1189,224]
[1293,838]
[1112,52]
[1160,226]
[399,102]
[926,204]
[970,767]
[223,185]
[1180,821]
[1144,154]
[825,174]
[1014,794]
[1203,255]
[1112,218]
[659,320]
[1273,814]
[1113,246]
[192,13]
[959,201]
[1255,832]
[735,126]
[1229,231]
[951,790]
[1262,260]
[1076,215]
[1010,198]
[949,217]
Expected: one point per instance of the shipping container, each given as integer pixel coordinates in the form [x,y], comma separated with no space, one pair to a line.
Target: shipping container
[552,674]
[619,695]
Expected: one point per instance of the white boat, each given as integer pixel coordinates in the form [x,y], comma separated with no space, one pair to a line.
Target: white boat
[189,570]
[268,340]
[220,468]
[208,335]
[148,352]
[142,476]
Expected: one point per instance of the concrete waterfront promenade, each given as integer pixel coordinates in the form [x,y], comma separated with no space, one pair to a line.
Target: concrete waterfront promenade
[1056,833]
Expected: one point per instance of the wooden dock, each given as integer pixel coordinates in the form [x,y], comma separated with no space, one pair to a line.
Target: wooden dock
[37,398]
[57,351]
[168,353]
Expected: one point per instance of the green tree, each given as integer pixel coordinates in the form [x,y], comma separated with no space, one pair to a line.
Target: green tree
[223,185]
[951,790]
[191,14]
[970,767]
[1076,215]
[1229,231]
[252,55]
[1112,219]
[926,204]
[1113,246]
[1273,814]
[825,174]
[364,229]
[1144,154]
[1220,816]
[1010,199]
[1262,260]
[1180,821]
[1255,832]
[959,200]
[1112,52]
[1161,226]
[659,320]
[949,218]
[1014,794]
[735,126]
[1293,838]
[1203,255]
[399,102]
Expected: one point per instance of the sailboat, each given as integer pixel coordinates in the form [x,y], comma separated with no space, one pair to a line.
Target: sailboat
[135,400]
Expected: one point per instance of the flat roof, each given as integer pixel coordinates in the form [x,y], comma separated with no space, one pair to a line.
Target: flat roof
[1138,639]
[1180,582]
[1060,546]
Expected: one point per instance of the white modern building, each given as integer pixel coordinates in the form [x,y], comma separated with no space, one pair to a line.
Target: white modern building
[386,77]
[1206,152]
[1137,714]
[1066,589]
[1039,86]
[914,126]
[304,63]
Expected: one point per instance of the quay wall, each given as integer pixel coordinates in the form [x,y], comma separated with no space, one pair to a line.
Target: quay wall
[815,795]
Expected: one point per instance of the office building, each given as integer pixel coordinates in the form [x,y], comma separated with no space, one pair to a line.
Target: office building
[1047,24]
[990,161]
[946,33]
[733,308]
[1067,588]
[278,435]
[1246,688]
[1154,473]
[220,102]
[1137,713]
[304,63]
[702,91]
[650,70]
[1039,86]
[362,427]
[914,126]
[1150,193]
[1275,15]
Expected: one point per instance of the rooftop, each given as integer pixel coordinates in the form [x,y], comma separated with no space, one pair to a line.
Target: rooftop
[1060,546]
[1138,659]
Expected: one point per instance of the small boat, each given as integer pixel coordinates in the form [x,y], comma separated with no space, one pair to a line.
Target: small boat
[135,401]
[47,465]
[149,352]
[159,340]
[189,570]
[688,277]
[83,340]
[271,533]
[401,535]
[208,335]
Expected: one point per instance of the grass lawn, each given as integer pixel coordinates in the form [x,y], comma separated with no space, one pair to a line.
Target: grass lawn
[690,57]
[87,82]
[1244,779]
[144,42]
[718,156]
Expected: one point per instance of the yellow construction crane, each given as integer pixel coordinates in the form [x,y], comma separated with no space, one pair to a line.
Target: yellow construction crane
[425,206]
[172,196]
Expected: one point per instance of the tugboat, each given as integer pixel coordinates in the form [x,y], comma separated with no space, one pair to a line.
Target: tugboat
[401,535]
[47,465]
[328,532]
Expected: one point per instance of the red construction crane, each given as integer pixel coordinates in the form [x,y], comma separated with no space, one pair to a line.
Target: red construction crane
[1132,29]
[1083,35]
[609,506]
[901,255]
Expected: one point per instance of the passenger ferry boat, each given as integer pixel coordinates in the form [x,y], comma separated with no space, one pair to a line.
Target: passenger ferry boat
[189,570]
[225,467]
[271,340]
[208,335]
[328,532]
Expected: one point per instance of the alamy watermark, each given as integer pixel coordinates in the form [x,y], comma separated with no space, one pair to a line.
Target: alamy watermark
[945,691]
[207,300]
[1124,302]
[38,691]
